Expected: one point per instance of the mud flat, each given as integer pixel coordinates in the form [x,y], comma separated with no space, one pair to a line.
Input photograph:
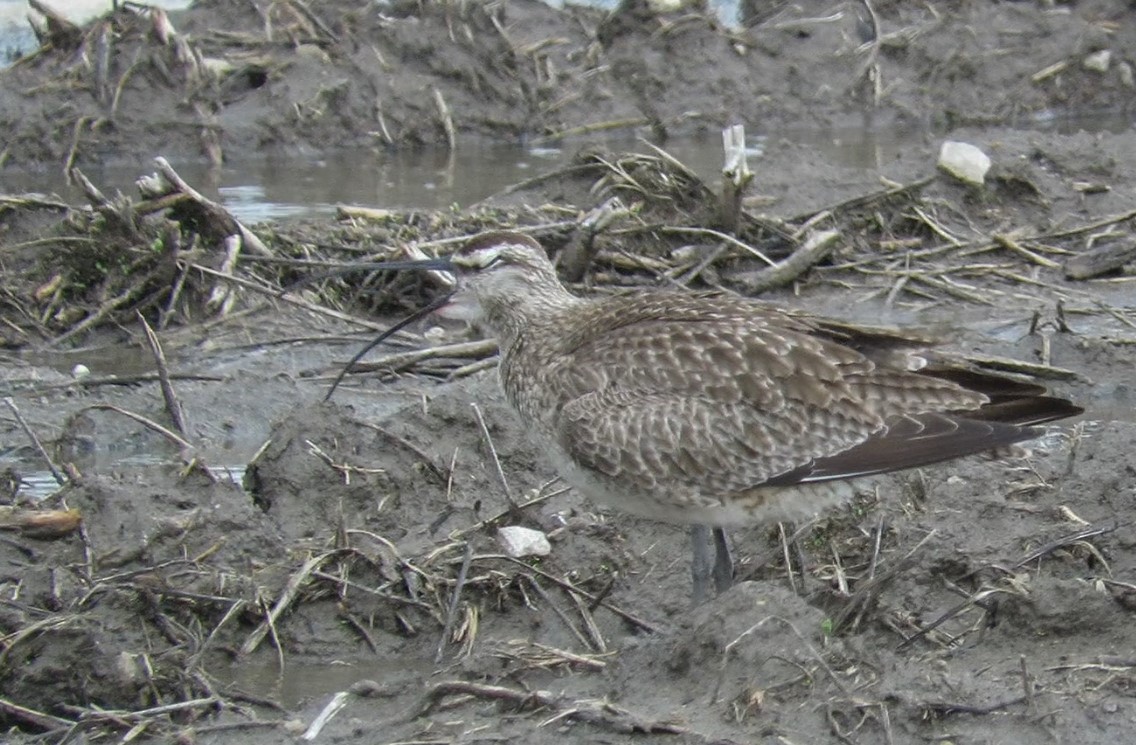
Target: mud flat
[228,555]
[230,76]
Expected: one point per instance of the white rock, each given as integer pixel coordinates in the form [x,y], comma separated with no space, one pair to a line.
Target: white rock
[127,670]
[80,371]
[314,52]
[1126,77]
[220,68]
[964,161]
[519,542]
[1097,61]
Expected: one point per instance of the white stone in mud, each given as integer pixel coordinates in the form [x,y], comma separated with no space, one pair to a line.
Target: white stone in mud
[519,542]
[964,161]
[1126,77]
[1097,61]
[218,67]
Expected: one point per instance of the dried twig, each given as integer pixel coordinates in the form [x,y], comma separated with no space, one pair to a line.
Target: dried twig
[816,247]
[736,176]
[978,598]
[337,702]
[1066,540]
[287,597]
[446,117]
[32,717]
[635,620]
[560,613]
[493,452]
[56,473]
[867,590]
[170,435]
[399,361]
[173,406]
[455,600]
[545,657]
[249,239]
[597,713]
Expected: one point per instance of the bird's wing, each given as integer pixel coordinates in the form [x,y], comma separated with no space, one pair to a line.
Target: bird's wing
[651,440]
[727,401]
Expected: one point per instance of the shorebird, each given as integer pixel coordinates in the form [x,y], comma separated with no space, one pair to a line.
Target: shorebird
[716,411]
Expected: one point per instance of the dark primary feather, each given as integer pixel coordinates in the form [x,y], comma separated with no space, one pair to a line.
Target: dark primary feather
[909,442]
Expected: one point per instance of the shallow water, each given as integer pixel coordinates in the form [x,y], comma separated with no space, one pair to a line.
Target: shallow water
[282,187]
[299,683]
[278,187]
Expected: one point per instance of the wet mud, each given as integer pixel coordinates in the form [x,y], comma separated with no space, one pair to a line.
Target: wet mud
[239,78]
[249,556]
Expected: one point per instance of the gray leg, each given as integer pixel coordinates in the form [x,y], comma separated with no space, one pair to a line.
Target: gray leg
[723,562]
[701,565]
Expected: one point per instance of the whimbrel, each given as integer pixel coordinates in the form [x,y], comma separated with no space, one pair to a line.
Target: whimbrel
[718,411]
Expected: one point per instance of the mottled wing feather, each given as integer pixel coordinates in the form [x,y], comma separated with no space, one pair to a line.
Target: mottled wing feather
[702,445]
[727,395]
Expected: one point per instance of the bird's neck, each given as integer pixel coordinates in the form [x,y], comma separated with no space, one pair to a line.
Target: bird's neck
[512,317]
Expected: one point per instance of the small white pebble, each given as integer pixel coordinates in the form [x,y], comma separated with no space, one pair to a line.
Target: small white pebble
[1097,61]
[964,161]
[219,68]
[1127,79]
[294,726]
[683,254]
[519,542]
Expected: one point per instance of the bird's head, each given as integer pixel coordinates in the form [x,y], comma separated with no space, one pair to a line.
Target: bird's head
[497,272]
[500,278]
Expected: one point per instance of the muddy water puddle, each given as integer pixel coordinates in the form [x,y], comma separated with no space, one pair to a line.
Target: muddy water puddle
[299,683]
[36,485]
[231,397]
[283,187]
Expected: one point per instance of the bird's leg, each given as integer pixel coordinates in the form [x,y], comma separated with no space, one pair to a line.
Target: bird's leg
[723,562]
[701,565]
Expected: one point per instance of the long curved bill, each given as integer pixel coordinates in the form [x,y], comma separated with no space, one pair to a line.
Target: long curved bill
[439,264]
[443,264]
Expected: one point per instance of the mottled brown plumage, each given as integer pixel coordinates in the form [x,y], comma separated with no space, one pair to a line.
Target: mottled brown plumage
[720,411]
